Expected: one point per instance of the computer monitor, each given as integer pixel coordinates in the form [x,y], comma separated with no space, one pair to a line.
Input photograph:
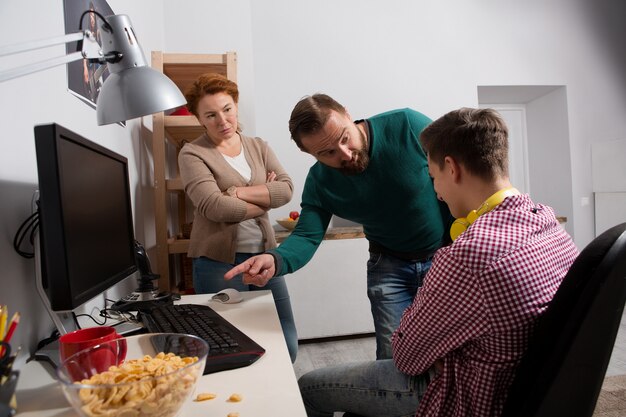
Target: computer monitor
[86,238]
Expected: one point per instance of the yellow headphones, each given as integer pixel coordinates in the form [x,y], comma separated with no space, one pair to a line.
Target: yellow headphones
[460,225]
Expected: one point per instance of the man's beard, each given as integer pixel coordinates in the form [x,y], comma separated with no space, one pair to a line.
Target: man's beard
[356,167]
[362,160]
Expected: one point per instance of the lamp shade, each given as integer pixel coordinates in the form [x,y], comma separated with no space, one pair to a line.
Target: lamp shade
[136,92]
[132,89]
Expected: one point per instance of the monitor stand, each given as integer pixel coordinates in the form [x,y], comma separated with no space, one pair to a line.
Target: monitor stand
[48,353]
[63,320]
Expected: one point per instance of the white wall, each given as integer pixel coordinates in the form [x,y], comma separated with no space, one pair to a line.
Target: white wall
[540,114]
[609,183]
[42,98]
[550,170]
[433,55]
[371,55]
[216,27]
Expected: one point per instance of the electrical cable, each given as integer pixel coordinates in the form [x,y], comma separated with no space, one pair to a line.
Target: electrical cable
[125,316]
[76,316]
[28,227]
[76,323]
[53,336]
[106,314]
[80,22]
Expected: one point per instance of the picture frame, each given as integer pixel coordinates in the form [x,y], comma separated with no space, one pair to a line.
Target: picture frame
[84,79]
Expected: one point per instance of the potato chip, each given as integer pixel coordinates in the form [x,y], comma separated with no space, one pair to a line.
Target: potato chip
[234,398]
[205,396]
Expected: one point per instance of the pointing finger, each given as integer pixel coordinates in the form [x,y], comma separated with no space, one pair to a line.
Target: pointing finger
[239,269]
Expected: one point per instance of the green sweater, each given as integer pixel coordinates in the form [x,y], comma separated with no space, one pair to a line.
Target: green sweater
[393,198]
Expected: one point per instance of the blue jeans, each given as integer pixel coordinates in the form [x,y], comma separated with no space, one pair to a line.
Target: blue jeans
[391,286]
[373,388]
[208,277]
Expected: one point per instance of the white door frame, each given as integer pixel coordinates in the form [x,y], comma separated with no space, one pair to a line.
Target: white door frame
[515,117]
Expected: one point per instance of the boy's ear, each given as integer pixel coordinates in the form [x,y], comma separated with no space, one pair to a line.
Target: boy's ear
[453,168]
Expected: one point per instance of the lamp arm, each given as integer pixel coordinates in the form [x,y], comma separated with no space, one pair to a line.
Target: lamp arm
[90,50]
[41,43]
[131,90]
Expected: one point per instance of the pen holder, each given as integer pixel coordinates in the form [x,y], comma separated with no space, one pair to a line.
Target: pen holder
[7,394]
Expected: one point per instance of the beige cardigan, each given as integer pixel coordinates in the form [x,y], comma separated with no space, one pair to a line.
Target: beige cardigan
[206,174]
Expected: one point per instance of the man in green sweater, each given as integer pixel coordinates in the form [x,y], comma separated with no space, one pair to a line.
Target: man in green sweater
[373,172]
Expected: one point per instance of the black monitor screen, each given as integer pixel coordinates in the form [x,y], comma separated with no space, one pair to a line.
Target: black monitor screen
[85,217]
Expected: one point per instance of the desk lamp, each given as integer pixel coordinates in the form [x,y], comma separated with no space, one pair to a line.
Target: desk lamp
[132,89]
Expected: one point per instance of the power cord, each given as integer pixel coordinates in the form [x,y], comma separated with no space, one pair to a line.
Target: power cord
[108,314]
[80,22]
[121,317]
[44,342]
[76,316]
[27,228]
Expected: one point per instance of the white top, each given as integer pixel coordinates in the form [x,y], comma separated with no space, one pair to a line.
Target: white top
[249,235]
[268,387]
[240,164]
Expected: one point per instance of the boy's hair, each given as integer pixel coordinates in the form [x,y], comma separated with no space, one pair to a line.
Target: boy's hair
[310,115]
[475,138]
[209,83]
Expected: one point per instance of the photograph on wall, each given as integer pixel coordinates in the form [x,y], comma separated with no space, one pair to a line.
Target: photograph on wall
[84,79]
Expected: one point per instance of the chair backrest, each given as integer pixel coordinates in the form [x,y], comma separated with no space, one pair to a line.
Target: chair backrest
[562,372]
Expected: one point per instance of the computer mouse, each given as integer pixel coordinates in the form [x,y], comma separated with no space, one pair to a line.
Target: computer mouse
[228,296]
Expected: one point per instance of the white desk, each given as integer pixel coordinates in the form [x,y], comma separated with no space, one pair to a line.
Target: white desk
[268,386]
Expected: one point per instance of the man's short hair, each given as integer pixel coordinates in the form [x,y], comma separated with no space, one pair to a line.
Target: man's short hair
[475,138]
[310,115]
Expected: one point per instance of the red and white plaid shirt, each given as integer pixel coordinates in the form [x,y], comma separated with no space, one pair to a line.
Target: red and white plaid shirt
[478,306]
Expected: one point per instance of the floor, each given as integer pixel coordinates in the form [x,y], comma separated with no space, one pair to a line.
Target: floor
[316,355]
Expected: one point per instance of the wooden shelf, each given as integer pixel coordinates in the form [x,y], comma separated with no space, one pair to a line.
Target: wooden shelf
[170,133]
[182,129]
[177,245]
[183,69]
[333,233]
[175,184]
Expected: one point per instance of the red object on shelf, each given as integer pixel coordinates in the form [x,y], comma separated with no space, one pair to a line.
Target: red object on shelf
[181,111]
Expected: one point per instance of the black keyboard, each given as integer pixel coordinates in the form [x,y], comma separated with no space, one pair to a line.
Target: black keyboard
[229,348]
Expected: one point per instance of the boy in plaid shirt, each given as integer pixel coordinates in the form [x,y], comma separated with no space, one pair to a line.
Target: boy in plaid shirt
[458,345]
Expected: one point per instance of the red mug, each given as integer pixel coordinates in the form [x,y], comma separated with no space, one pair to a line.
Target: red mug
[99,347]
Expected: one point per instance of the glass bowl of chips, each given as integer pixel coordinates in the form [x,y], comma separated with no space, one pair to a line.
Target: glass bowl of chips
[143,375]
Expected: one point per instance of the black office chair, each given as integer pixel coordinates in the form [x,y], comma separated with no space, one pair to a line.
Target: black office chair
[562,372]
